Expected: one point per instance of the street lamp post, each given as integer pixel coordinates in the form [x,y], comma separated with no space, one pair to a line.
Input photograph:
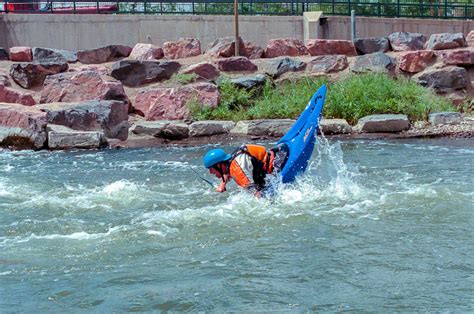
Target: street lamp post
[236,27]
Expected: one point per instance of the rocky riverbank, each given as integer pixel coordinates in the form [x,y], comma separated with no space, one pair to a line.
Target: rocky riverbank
[118,96]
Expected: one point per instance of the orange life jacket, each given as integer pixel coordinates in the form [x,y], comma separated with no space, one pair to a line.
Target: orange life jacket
[250,164]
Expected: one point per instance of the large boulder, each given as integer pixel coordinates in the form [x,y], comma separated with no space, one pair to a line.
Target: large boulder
[29,75]
[109,116]
[22,123]
[250,82]
[278,67]
[3,54]
[146,52]
[470,39]
[403,41]
[334,126]
[320,47]
[225,47]
[236,64]
[372,44]
[183,48]
[21,54]
[415,61]
[103,54]
[271,128]
[443,80]
[374,62]
[167,129]
[438,118]
[53,55]
[209,128]
[135,73]
[285,47]
[172,103]
[82,86]
[10,95]
[328,64]
[446,41]
[458,57]
[61,137]
[203,70]
[383,123]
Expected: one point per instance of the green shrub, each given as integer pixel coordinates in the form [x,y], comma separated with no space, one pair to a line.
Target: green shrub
[351,98]
[181,78]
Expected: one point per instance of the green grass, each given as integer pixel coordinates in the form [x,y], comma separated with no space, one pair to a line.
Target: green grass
[351,98]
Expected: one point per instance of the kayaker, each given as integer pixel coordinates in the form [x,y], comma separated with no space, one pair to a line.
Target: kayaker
[248,165]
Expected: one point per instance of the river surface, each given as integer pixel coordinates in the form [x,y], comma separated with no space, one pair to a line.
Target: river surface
[373,226]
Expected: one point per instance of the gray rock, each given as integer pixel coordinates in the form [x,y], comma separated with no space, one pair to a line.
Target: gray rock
[3,54]
[280,66]
[53,55]
[404,41]
[443,80]
[438,118]
[383,123]
[108,116]
[375,62]
[446,41]
[4,80]
[334,126]
[61,137]
[103,54]
[370,45]
[271,128]
[29,75]
[208,128]
[168,129]
[328,63]
[250,82]
[135,73]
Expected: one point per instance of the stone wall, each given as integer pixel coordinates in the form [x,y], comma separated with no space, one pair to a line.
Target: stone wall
[76,32]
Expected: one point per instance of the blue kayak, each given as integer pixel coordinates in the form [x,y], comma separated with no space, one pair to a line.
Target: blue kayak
[301,137]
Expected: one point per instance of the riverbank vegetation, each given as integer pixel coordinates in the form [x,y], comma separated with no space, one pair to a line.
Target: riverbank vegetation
[351,98]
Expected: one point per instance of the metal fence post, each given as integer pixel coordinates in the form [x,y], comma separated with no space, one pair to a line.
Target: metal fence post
[398,8]
[5,6]
[445,9]
[349,3]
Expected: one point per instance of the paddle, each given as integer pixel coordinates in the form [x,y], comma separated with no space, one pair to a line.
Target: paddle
[203,179]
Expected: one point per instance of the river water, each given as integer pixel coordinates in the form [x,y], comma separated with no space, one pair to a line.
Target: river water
[372,226]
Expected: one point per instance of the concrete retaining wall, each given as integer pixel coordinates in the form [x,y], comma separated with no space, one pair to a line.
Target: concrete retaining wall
[75,32]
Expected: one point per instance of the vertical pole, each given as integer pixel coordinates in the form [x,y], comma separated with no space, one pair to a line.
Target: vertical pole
[144,6]
[5,6]
[74,7]
[349,3]
[398,8]
[353,24]
[193,6]
[445,9]
[236,27]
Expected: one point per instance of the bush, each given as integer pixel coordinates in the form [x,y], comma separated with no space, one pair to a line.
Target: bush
[351,98]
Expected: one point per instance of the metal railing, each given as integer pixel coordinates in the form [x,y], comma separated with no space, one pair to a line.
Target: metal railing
[446,9]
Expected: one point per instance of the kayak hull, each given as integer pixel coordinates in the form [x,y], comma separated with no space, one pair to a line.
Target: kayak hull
[301,137]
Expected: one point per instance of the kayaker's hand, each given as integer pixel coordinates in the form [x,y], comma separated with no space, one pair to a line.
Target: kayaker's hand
[221,188]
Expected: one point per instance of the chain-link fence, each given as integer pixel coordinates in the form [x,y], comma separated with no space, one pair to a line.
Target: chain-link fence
[446,9]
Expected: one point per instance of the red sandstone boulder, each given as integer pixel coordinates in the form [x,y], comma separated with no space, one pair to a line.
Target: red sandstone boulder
[236,64]
[446,41]
[103,70]
[320,47]
[203,70]
[146,52]
[443,80]
[29,75]
[103,54]
[183,48]
[470,39]
[224,47]
[109,116]
[24,121]
[252,51]
[285,47]
[81,86]
[328,64]
[171,103]
[21,54]
[4,80]
[405,41]
[458,57]
[415,61]
[9,95]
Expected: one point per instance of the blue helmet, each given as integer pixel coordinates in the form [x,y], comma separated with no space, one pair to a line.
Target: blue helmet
[215,156]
